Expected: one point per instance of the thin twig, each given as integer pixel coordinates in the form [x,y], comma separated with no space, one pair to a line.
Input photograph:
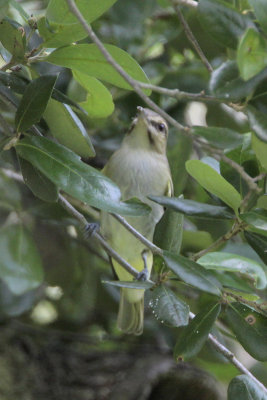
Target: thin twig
[260,307]
[191,37]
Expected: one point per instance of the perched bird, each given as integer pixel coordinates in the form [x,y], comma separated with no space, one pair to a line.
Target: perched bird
[140,168]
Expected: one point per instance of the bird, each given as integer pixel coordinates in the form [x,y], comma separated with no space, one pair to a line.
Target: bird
[140,168]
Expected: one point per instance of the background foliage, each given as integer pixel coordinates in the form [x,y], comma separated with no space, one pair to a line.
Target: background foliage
[64,110]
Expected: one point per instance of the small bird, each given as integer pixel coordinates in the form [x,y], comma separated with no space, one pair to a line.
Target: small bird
[140,168]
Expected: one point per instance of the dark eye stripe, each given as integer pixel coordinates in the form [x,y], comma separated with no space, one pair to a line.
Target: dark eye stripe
[158,125]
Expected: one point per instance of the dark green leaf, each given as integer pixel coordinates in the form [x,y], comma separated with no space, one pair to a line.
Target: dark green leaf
[9,194]
[88,59]
[196,333]
[235,263]
[38,182]
[256,219]
[13,81]
[258,243]
[193,208]
[130,284]
[67,128]
[242,387]
[168,308]
[251,54]
[223,138]
[69,173]
[34,101]
[258,122]
[223,22]
[169,231]
[12,305]
[192,273]
[260,149]
[260,9]
[250,329]
[214,183]
[12,37]
[178,153]
[21,267]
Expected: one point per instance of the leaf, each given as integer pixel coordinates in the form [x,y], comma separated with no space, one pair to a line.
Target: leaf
[235,263]
[130,284]
[214,183]
[168,308]
[260,10]
[13,38]
[12,305]
[260,149]
[193,208]
[99,103]
[257,219]
[4,4]
[250,329]
[258,122]
[38,182]
[194,241]
[223,22]
[67,128]
[87,59]
[34,101]
[21,267]
[223,138]
[65,28]
[69,173]
[251,54]
[192,273]
[258,243]
[169,231]
[10,198]
[242,387]
[195,334]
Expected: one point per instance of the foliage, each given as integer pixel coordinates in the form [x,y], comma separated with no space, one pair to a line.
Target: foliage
[62,103]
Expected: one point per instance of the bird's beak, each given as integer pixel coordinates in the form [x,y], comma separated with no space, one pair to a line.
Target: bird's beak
[141,114]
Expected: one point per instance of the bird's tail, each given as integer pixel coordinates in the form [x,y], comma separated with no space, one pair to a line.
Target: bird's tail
[131,314]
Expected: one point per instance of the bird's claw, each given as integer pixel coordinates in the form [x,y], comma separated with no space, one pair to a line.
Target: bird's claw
[90,229]
[143,275]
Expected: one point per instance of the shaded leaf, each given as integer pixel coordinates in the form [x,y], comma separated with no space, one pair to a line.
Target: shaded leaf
[195,334]
[260,10]
[250,329]
[242,387]
[10,197]
[192,273]
[13,38]
[34,101]
[223,138]
[169,231]
[260,149]
[258,122]
[258,243]
[194,241]
[168,308]
[256,219]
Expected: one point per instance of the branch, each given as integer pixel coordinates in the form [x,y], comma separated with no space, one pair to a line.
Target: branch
[259,307]
[191,37]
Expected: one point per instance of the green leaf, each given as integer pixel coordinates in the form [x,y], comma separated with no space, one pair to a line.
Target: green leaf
[242,387]
[250,329]
[195,334]
[4,4]
[169,231]
[88,59]
[13,82]
[251,54]
[214,183]
[21,267]
[194,241]
[34,101]
[67,128]
[130,284]
[257,219]
[65,28]
[260,149]
[168,308]
[193,208]
[99,103]
[12,305]
[13,39]
[10,198]
[222,21]
[192,273]
[69,173]
[38,182]
[262,202]
[223,138]
[258,243]
[258,122]
[260,10]
[20,9]
[235,263]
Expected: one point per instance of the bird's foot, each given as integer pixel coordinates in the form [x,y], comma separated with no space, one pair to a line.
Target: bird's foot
[144,274]
[90,229]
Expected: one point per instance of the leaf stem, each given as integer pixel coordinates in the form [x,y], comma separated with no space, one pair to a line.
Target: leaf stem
[259,307]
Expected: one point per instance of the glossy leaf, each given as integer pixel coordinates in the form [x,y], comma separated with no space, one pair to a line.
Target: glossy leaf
[67,128]
[192,273]
[168,308]
[169,231]
[251,54]
[260,149]
[260,10]
[21,267]
[250,329]
[193,208]
[88,59]
[13,38]
[242,387]
[258,122]
[214,183]
[38,182]
[223,138]
[69,173]
[258,243]
[223,22]
[256,219]
[34,101]
[99,103]
[130,284]
[195,334]
[235,263]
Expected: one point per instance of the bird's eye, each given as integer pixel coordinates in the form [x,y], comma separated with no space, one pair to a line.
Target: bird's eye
[161,127]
